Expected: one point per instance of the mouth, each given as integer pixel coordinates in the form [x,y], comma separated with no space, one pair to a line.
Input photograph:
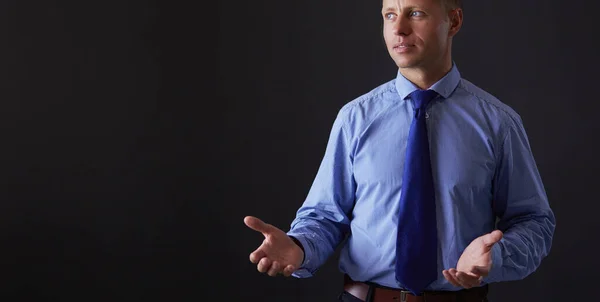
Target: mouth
[403,47]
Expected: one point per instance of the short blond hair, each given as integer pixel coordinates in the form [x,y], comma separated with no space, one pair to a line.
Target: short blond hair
[452,4]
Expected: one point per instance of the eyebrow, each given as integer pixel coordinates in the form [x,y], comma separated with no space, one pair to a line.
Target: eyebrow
[393,9]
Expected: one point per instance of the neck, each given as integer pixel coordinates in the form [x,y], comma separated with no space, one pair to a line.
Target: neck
[425,76]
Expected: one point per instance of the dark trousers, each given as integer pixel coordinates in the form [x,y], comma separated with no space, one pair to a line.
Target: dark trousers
[346,297]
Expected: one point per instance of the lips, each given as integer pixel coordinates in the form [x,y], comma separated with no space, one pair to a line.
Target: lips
[403,45]
[402,48]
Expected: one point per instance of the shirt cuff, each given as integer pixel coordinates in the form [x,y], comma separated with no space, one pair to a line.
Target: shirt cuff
[495,274]
[304,270]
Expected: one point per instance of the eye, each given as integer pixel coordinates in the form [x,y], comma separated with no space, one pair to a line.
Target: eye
[417,13]
[389,16]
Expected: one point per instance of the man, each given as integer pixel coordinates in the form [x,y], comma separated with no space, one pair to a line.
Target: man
[429,179]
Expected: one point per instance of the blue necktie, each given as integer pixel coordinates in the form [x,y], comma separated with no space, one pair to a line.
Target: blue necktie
[416,245]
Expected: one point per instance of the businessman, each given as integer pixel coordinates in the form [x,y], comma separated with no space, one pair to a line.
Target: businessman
[428,181]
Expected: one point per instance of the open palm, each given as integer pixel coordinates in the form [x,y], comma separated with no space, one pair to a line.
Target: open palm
[475,261]
[278,253]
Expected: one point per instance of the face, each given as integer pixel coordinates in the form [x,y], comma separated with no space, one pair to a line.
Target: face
[418,33]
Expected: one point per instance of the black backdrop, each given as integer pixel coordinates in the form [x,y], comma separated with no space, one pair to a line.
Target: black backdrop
[136,135]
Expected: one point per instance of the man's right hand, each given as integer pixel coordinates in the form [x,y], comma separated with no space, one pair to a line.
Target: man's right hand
[278,254]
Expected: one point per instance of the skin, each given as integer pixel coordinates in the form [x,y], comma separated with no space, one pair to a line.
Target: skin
[418,36]
[278,254]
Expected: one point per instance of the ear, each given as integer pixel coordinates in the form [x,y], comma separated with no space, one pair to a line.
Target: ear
[455,17]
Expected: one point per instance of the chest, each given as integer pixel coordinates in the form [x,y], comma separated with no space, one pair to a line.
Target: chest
[462,150]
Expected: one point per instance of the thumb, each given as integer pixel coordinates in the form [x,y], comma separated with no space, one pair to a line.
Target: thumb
[490,239]
[258,225]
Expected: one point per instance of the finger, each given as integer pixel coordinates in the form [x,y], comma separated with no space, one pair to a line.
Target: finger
[454,274]
[468,280]
[257,255]
[450,278]
[264,265]
[491,238]
[258,225]
[275,269]
[288,270]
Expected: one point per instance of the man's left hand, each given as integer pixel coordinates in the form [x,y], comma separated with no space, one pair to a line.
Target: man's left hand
[475,262]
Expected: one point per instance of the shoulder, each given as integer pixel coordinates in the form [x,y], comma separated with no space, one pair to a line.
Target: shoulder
[488,103]
[368,105]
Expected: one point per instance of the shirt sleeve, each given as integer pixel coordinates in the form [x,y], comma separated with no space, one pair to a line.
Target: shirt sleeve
[322,221]
[522,208]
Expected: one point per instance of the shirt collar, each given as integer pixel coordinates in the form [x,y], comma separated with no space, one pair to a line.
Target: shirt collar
[444,87]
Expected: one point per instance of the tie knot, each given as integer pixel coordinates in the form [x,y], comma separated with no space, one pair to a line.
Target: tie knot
[422,97]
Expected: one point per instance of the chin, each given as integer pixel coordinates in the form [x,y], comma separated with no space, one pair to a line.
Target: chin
[403,63]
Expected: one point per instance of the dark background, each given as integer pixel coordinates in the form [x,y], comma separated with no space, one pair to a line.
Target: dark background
[136,135]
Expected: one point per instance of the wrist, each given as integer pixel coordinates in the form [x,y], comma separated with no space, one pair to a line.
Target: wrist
[495,273]
[299,244]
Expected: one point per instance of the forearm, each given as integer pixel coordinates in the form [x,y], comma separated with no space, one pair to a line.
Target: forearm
[318,237]
[527,241]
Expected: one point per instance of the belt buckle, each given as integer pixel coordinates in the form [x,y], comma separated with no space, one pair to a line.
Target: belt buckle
[403,297]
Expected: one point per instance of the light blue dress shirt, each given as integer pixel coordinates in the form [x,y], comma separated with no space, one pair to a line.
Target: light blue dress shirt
[484,174]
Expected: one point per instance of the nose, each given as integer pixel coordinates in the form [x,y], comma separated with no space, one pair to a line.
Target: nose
[402,26]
